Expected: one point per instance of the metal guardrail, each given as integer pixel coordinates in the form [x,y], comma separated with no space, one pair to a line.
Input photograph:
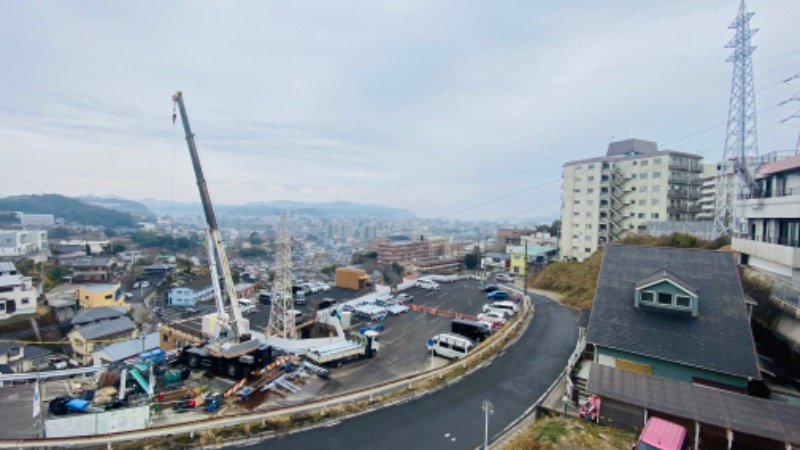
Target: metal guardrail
[313,406]
[50,374]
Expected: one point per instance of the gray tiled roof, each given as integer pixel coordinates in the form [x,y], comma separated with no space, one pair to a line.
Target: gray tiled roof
[109,328]
[718,339]
[94,314]
[740,413]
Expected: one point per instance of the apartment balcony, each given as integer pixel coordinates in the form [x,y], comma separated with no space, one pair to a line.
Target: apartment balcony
[773,207]
[787,256]
[683,194]
[686,181]
[684,209]
[688,167]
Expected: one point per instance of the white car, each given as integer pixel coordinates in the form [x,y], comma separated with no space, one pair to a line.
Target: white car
[431,286]
[504,277]
[326,287]
[145,284]
[494,317]
[129,295]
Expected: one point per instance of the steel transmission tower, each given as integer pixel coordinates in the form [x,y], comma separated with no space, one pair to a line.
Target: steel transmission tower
[281,318]
[741,141]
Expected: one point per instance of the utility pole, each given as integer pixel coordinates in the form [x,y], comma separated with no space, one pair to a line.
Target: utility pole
[525,271]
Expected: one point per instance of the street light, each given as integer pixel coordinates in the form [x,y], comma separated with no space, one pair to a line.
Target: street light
[488,410]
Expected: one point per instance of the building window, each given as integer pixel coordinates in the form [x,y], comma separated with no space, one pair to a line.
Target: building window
[577,190]
[588,238]
[644,163]
[590,202]
[591,166]
[641,215]
[642,176]
[587,250]
[656,188]
[109,297]
[635,162]
[664,298]
[588,226]
[577,168]
[642,188]
[590,179]
[177,342]
[647,297]
[656,174]
[642,202]
[655,202]
[590,190]
[633,189]
[25,301]
[166,338]
[657,161]
[634,176]
[654,215]
[683,301]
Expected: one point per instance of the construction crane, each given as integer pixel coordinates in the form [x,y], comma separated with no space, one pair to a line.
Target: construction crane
[230,351]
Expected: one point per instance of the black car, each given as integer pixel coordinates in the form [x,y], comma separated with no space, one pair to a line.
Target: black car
[490,288]
[326,302]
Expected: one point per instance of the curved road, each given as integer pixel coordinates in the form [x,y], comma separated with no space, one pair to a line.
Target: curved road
[452,418]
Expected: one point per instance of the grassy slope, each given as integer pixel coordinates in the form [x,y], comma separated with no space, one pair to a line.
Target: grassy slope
[576,282]
[560,433]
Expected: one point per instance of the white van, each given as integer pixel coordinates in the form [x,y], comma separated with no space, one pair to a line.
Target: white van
[246,306]
[450,345]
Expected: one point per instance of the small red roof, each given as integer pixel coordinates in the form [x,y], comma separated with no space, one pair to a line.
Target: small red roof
[663,435]
[793,162]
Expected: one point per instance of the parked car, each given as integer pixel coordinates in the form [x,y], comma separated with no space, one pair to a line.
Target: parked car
[504,277]
[508,307]
[326,302]
[145,284]
[136,285]
[405,298]
[494,317]
[490,288]
[498,295]
[431,286]
[490,308]
[129,295]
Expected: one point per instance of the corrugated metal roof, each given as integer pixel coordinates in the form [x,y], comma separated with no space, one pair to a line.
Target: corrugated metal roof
[95,314]
[123,350]
[740,413]
[6,266]
[791,163]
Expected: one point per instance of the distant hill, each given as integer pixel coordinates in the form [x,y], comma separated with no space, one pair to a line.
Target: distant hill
[120,204]
[71,209]
[332,209]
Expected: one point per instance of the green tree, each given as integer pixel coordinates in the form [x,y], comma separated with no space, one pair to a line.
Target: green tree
[555,228]
[110,232]
[55,276]
[372,254]
[329,270]
[252,252]
[26,267]
[117,248]
[471,260]
[58,233]
[255,238]
[398,269]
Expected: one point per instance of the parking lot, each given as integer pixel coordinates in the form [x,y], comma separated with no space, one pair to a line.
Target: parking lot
[403,340]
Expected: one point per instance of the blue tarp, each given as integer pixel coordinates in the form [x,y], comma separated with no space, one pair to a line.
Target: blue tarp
[78,404]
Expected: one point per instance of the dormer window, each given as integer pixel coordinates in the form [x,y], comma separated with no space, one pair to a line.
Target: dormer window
[665,291]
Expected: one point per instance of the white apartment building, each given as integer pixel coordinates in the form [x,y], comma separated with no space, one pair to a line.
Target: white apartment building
[708,191]
[17,294]
[37,220]
[22,242]
[772,238]
[606,197]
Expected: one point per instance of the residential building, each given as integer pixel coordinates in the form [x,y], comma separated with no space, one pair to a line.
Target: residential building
[17,293]
[512,236]
[770,242]
[177,335]
[120,351]
[438,265]
[92,269]
[36,220]
[98,295]
[400,249]
[23,357]
[606,197]
[98,315]
[90,338]
[673,313]
[66,254]
[708,191]
[191,293]
[535,255]
[92,247]
[22,242]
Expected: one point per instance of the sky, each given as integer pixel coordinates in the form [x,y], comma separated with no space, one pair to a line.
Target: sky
[450,109]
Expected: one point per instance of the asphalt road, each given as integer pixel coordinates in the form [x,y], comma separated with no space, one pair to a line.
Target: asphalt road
[452,418]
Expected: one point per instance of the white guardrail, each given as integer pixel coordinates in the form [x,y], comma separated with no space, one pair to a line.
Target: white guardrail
[316,405]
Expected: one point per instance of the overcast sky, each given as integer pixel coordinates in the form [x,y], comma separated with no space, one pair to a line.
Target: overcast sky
[451,109]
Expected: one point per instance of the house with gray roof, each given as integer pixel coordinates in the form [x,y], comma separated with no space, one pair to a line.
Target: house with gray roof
[23,357]
[86,339]
[97,315]
[674,313]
